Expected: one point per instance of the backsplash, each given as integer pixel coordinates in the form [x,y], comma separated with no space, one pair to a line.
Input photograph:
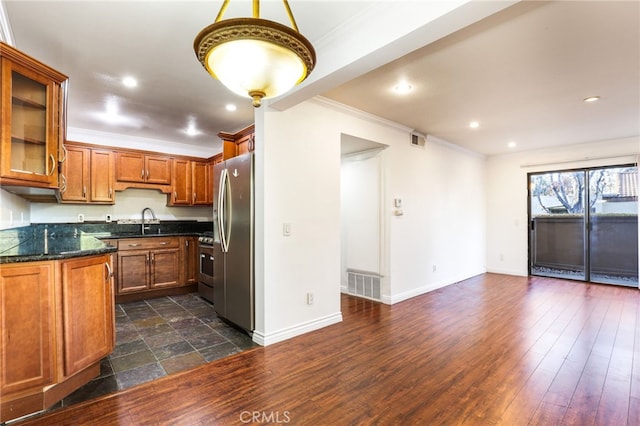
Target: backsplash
[129,205]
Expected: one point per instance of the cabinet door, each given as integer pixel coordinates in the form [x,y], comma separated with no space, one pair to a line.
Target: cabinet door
[75,174]
[133,267]
[199,183]
[27,320]
[210,183]
[189,259]
[29,133]
[165,268]
[87,311]
[130,167]
[102,176]
[181,182]
[158,170]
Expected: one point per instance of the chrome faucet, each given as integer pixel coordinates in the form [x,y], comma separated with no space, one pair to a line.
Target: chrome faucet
[153,216]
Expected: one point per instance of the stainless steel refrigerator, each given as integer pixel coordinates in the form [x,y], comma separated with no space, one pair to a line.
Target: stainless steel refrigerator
[233,276]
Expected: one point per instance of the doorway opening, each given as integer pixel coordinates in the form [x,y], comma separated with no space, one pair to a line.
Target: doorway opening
[584,224]
[362,227]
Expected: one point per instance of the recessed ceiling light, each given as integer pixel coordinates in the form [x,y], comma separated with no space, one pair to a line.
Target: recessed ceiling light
[403,87]
[474,124]
[129,81]
[191,129]
[592,99]
[511,144]
[231,107]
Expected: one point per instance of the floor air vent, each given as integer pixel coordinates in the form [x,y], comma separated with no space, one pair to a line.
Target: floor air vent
[363,283]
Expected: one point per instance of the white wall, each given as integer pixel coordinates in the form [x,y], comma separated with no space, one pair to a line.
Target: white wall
[298,182]
[507,244]
[440,239]
[14,211]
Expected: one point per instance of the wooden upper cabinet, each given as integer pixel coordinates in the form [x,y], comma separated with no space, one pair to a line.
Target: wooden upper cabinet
[239,143]
[137,167]
[75,176]
[130,167]
[102,181]
[200,184]
[158,170]
[191,183]
[87,176]
[31,96]
[181,183]
[210,181]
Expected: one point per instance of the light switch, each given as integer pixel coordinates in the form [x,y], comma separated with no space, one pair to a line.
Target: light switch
[286,229]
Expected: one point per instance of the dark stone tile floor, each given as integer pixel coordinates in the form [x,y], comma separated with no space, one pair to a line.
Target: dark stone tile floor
[162,336]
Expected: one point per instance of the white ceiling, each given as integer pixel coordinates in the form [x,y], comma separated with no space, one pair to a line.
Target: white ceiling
[521,73]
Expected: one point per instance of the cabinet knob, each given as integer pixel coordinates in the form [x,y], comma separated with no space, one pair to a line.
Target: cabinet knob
[142,174]
[134,245]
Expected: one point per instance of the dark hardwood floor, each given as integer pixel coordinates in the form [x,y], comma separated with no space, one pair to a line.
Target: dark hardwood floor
[490,350]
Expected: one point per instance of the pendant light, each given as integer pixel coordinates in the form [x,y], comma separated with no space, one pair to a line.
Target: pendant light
[254,57]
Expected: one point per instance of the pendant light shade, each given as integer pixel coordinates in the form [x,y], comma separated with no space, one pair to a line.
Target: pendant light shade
[254,57]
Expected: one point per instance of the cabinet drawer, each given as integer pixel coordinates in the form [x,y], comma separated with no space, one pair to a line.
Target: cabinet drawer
[148,243]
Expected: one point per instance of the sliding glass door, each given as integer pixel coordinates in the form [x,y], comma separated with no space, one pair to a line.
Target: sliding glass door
[584,224]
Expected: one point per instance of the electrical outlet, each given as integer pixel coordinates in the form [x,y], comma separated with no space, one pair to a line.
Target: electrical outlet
[309,298]
[80,217]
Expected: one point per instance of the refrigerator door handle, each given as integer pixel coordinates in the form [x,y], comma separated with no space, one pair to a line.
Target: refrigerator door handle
[222,219]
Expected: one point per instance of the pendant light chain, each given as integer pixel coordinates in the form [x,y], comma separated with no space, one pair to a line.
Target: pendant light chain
[223,9]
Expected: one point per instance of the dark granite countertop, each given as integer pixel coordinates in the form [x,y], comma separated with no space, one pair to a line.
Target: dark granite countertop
[62,241]
[54,247]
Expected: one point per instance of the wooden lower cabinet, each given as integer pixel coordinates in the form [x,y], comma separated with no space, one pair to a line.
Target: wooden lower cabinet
[147,264]
[88,329]
[28,324]
[57,324]
[189,259]
[156,266]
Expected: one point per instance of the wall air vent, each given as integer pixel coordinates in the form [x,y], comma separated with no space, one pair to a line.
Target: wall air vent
[417,139]
[364,284]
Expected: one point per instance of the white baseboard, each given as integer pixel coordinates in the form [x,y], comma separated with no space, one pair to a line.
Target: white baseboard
[517,273]
[426,289]
[266,339]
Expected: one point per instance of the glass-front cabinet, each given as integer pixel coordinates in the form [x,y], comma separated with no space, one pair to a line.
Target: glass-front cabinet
[32,133]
